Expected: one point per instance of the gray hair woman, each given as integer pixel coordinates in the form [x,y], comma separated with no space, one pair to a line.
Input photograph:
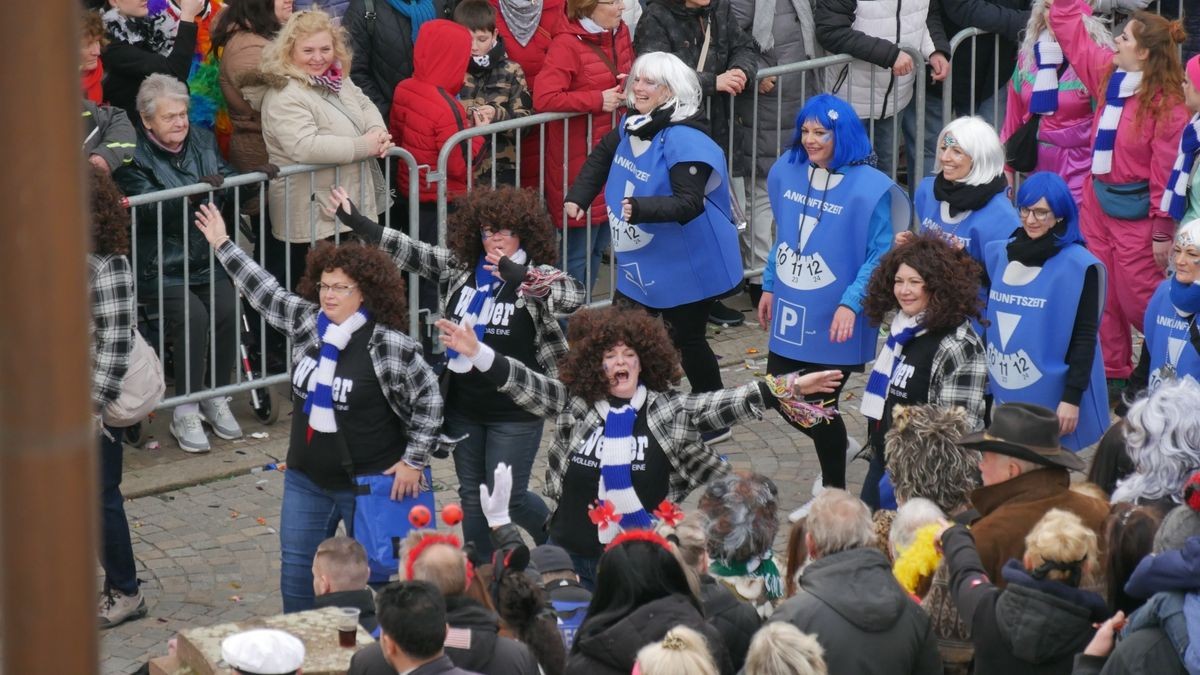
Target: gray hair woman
[1162,438]
[743,519]
[660,167]
[172,254]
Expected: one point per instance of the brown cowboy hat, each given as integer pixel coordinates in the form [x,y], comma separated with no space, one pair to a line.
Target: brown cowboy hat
[1025,431]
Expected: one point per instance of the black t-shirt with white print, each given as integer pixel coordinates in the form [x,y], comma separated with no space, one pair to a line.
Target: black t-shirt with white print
[375,436]
[509,331]
[571,527]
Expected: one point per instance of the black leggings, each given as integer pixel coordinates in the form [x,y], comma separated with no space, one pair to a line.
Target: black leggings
[687,325]
[829,437]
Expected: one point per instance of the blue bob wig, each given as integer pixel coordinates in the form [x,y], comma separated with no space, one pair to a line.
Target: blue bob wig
[850,141]
[1052,188]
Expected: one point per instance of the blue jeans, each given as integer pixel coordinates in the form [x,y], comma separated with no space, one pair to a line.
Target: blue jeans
[309,515]
[120,571]
[475,460]
[583,247]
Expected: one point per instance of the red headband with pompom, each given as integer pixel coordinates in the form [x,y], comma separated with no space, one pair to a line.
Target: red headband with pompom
[639,535]
[427,541]
[1191,492]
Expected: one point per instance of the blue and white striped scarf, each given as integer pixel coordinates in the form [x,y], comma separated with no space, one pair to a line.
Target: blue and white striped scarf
[318,405]
[904,329]
[1174,199]
[1048,55]
[1121,86]
[616,476]
[480,305]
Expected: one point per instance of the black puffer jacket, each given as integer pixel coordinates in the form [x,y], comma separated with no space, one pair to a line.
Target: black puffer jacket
[127,65]
[1005,18]
[669,26]
[735,620]
[154,168]
[383,48]
[1031,626]
[865,621]
[613,650]
[474,642]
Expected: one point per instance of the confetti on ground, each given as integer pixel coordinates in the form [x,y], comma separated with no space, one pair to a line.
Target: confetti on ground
[235,598]
[233,514]
[260,435]
[752,350]
[235,585]
[153,445]
[261,482]
[260,520]
[137,524]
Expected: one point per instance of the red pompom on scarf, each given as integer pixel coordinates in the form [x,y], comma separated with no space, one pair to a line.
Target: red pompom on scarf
[669,513]
[603,514]
[1191,492]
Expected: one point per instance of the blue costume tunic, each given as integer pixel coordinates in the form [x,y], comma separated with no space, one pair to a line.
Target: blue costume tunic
[1171,350]
[825,250]
[1032,313]
[972,230]
[663,265]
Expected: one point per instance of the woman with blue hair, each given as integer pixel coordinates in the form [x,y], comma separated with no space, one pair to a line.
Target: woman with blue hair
[835,215]
[1044,310]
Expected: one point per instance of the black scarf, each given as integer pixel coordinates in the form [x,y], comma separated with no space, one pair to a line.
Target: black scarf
[962,197]
[646,126]
[1035,252]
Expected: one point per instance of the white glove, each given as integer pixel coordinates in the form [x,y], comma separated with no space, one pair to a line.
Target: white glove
[495,502]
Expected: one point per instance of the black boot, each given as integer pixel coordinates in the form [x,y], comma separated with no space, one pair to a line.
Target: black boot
[755,291]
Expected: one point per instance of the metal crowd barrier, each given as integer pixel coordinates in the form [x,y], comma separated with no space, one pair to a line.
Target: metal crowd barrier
[809,75]
[152,206]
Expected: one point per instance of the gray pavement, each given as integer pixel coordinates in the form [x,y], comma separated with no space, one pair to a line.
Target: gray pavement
[204,526]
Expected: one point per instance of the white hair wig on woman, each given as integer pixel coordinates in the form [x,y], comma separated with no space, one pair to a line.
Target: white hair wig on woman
[980,142]
[671,72]
[1162,437]
[1188,234]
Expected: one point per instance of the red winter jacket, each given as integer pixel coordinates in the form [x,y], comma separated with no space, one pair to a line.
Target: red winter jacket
[572,79]
[425,112]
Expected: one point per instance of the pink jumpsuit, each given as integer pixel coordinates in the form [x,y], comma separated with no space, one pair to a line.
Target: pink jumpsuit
[1142,151]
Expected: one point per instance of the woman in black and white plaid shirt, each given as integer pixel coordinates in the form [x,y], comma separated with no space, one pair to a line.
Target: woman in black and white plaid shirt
[363,388]
[112,341]
[496,269]
[625,439]
[934,288]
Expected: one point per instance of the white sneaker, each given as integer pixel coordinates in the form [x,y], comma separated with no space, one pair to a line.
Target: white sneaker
[216,412]
[188,431]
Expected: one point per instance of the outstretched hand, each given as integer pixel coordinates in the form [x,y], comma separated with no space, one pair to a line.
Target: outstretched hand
[210,222]
[820,382]
[461,339]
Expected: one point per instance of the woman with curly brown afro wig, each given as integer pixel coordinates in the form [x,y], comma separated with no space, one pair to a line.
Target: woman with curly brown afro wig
[625,439]
[933,354]
[113,321]
[364,394]
[495,275]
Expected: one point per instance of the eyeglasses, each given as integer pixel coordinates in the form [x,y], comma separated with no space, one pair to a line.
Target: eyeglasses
[495,234]
[1040,215]
[337,289]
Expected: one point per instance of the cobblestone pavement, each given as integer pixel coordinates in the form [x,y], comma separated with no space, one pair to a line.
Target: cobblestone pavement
[209,553]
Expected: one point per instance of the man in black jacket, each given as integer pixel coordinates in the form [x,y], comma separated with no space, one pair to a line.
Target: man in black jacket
[413,616]
[382,39]
[850,600]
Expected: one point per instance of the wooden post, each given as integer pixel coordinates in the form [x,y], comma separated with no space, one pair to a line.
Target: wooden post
[48,474]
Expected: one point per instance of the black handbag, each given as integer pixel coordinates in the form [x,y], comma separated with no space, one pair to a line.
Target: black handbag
[1021,149]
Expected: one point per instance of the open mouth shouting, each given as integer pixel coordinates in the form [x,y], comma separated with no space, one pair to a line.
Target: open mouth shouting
[622,368]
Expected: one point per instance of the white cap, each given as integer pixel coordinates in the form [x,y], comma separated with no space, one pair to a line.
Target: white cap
[263,652]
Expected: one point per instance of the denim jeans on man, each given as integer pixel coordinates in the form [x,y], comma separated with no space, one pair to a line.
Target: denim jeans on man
[475,460]
[310,515]
[116,557]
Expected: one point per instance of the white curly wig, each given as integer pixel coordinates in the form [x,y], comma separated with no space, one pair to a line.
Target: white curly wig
[1162,437]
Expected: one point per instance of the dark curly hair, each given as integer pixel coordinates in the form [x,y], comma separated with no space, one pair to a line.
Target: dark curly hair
[951,282]
[376,274]
[110,217]
[522,608]
[504,208]
[591,332]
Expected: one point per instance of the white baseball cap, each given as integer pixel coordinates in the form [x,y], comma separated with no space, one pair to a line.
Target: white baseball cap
[263,652]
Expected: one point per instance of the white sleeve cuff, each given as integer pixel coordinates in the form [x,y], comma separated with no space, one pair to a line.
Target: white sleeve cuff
[483,358]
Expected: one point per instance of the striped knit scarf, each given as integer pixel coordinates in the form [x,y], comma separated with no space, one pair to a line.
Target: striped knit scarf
[1121,86]
[1049,56]
[904,329]
[331,79]
[480,305]
[318,405]
[1174,199]
[616,476]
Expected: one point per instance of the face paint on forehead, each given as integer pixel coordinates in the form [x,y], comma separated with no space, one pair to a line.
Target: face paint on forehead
[949,141]
[1188,237]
